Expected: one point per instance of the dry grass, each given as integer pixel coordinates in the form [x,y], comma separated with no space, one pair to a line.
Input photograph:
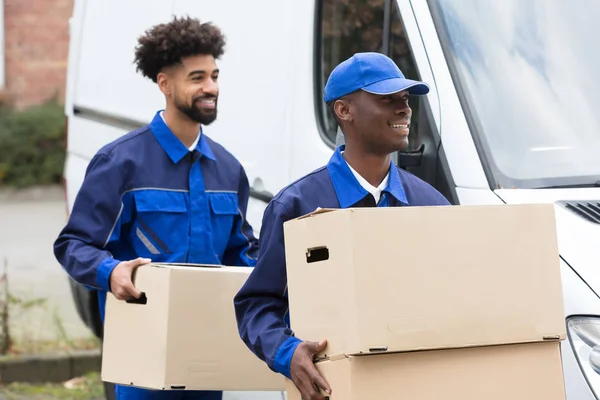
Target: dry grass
[88,387]
[53,347]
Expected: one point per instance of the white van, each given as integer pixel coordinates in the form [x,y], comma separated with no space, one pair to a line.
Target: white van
[511,117]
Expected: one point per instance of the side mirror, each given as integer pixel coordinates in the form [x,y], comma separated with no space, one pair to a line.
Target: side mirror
[411,159]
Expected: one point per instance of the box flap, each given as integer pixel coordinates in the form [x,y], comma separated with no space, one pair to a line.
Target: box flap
[331,357]
[183,265]
[319,211]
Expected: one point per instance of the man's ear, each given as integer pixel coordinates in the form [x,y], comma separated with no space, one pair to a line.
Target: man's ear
[341,108]
[164,82]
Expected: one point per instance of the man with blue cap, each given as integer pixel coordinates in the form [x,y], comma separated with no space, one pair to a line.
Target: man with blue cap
[368,95]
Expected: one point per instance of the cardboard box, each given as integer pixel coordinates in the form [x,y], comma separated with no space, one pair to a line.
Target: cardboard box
[185,336]
[515,372]
[371,280]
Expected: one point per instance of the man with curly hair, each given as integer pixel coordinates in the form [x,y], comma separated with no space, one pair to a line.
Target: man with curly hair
[164,192]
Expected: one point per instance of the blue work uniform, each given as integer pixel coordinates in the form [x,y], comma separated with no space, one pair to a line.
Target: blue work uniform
[147,195]
[261,305]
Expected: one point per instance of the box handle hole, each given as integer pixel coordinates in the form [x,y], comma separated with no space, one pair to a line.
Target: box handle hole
[142,300]
[317,254]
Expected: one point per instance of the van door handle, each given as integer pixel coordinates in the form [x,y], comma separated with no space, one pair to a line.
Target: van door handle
[261,195]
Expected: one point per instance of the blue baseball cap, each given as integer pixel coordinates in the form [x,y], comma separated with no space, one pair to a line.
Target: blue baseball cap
[372,72]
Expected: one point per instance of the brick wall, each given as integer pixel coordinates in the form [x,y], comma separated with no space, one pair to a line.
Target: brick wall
[36,36]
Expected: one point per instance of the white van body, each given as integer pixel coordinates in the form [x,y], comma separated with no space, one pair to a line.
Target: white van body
[489,107]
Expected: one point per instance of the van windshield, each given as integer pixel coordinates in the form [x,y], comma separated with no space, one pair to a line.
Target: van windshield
[528,74]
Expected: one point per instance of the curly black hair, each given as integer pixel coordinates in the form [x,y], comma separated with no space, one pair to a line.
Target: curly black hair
[166,44]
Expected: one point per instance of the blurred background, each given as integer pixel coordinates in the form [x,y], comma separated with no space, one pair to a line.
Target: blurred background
[37,312]
[512,92]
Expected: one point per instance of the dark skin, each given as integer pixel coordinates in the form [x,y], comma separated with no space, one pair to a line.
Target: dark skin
[374,127]
[304,373]
[191,91]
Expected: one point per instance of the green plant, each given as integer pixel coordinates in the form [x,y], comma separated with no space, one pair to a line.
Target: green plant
[32,144]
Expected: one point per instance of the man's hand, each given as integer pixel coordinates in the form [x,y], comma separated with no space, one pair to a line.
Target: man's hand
[121,284]
[304,373]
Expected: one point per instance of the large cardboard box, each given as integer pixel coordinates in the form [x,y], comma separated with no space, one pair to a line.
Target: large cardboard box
[515,372]
[185,335]
[372,280]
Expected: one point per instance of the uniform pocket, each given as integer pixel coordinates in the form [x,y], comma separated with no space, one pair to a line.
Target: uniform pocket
[161,224]
[224,208]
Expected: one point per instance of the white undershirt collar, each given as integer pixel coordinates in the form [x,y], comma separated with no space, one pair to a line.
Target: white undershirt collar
[375,191]
[193,146]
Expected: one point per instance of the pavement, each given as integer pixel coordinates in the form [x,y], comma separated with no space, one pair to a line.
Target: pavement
[30,221]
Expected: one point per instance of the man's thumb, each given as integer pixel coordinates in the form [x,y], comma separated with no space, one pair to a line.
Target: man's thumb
[319,347]
[139,261]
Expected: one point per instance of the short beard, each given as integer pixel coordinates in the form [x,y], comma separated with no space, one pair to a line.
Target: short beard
[197,115]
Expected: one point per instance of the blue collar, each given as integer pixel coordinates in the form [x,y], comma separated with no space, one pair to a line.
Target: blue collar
[349,191]
[172,145]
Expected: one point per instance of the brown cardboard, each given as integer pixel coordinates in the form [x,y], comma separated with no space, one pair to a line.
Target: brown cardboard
[185,336]
[418,278]
[515,372]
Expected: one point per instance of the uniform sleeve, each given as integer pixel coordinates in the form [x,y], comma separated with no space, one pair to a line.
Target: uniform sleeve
[95,221]
[242,247]
[261,305]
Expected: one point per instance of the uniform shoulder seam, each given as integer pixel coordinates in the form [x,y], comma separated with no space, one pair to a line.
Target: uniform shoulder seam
[111,147]
[296,182]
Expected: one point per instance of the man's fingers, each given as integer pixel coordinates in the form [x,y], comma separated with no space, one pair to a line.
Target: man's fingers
[308,389]
[316,381]
[311,382]
[135,292]
[138,261]
[131,290]
[118,295]
[314,393]
[320,382]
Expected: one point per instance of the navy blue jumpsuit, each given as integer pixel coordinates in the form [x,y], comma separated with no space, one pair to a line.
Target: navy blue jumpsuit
[147,195]
[261,304]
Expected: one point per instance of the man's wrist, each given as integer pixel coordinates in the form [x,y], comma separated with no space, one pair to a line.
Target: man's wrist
[285,353]
[105,269]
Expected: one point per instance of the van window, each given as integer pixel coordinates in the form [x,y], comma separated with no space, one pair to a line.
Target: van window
[351,26]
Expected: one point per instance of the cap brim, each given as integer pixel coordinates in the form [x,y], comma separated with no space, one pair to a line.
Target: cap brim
[395,85]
